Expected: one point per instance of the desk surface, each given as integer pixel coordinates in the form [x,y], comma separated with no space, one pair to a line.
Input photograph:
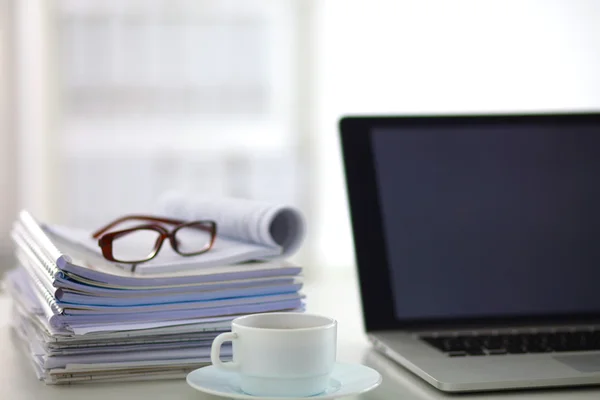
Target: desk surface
[334,294]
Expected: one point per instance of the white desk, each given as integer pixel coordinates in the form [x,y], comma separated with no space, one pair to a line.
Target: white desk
[335,295]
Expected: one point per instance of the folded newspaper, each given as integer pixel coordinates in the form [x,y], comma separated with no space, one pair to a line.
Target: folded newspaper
[248,230]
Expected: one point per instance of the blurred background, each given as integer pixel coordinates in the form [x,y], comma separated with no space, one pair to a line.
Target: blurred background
[106,104]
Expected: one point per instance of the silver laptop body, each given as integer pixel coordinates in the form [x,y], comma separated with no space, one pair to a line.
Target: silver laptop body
[477,245]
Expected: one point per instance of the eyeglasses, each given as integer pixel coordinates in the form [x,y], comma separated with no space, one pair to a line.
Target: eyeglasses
[142,243]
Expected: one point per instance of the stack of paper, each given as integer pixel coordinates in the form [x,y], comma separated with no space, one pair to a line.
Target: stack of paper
[84,319]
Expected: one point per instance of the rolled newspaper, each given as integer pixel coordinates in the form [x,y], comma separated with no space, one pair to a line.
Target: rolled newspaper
[263,223]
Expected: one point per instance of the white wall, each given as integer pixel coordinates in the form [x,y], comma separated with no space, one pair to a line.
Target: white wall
[430,56]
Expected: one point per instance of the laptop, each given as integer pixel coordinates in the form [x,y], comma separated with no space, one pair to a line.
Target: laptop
[477,241]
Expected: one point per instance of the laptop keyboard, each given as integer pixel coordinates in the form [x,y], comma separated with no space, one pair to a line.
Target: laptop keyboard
[515,343]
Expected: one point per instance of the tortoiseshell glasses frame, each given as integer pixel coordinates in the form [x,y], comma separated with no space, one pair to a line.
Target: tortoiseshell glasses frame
[106,237]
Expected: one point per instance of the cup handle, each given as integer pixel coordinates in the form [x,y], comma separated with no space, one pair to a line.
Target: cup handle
[215,352]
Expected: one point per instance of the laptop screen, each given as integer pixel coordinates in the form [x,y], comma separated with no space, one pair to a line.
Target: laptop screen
[500,220]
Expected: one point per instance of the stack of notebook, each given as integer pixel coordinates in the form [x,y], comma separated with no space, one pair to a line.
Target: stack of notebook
[85,319]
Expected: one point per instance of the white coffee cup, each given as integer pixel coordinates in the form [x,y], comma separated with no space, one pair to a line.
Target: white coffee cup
[280,354]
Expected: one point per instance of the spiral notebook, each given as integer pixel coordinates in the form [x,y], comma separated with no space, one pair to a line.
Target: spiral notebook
[52,257]
[94,296]
[59,316]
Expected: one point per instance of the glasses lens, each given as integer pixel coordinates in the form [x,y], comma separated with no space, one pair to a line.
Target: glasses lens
[193,238]
[134,246]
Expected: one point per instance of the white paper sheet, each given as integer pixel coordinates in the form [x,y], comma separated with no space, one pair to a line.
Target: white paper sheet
[154,327]
[148,355]
[85,309]
[67,321]
[168,362]
[69,286]
[75,298]
[94,378]
[83,377]
[192,344]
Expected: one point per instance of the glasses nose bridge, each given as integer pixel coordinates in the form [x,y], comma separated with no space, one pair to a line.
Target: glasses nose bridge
[170,234]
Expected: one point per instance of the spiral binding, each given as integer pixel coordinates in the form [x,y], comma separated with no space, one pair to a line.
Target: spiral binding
[50,300]
[44,243]
[33,266]
[30,247]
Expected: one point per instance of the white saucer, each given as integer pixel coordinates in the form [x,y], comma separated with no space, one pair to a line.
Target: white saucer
[346,380]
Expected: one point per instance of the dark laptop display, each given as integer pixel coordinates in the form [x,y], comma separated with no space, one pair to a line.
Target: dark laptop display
[476,218]
[476,241]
